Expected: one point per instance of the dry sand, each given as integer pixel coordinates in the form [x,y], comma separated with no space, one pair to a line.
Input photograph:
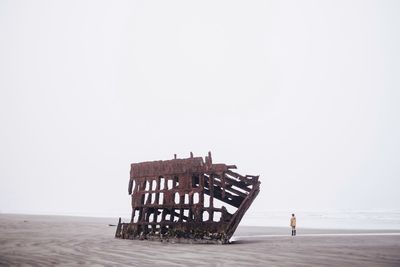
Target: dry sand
[62,240]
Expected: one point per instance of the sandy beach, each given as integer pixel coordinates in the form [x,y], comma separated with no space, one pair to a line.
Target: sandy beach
[63,240]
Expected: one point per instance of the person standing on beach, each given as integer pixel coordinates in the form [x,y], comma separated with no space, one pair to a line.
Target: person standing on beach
[293,224]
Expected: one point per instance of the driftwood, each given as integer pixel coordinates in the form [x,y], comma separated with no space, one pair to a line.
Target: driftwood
[187,200]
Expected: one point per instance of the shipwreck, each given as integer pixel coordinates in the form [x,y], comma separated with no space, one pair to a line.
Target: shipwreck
[187,200]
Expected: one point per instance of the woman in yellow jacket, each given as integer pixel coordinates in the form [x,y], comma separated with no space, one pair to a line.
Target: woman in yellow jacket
[293,224]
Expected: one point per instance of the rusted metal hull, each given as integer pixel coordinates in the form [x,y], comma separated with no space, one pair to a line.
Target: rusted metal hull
[187,200]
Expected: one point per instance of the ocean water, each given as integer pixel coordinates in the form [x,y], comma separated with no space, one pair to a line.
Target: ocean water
[327,220]
[374,220]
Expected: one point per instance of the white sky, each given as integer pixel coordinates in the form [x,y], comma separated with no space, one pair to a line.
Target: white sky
[304,93]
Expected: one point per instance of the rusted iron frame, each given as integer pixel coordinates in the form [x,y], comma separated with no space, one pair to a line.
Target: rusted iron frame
[215,180]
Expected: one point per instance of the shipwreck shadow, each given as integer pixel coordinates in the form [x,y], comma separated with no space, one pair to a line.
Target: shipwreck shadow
[246,241]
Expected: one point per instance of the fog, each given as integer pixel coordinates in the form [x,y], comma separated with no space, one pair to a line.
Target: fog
[303,93]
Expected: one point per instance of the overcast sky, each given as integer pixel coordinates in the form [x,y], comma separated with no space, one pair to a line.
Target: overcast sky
[305,94]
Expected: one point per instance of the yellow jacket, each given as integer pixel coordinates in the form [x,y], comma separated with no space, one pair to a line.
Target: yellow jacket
[293,222]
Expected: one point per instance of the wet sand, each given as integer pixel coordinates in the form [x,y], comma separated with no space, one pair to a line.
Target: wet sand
[63,240]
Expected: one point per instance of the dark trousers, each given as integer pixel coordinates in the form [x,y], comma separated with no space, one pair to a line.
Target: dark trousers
[293,230]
